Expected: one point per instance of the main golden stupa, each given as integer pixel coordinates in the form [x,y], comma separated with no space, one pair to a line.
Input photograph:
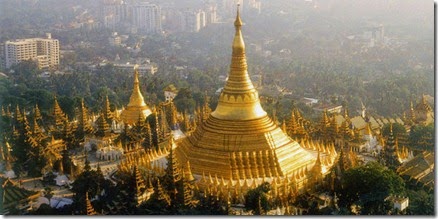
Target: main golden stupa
[136,106]
[239,140]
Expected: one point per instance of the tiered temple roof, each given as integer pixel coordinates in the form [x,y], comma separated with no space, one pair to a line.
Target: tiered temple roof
[421,169]
[14,196]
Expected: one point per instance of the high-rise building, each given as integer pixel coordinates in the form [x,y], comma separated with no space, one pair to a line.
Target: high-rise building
[202,19]
[43,50]
[114,13]
[193,21]
[146,17]
[211,15]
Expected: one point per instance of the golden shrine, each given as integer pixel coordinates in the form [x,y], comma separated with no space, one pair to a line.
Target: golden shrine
[239,140]
[136,105]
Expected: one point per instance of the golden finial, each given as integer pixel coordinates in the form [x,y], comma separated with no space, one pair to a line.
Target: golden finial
[136,81]
[238,22]
[318,159]
[171,143]
[188,172]
[368,129]
[283,126]
[216,180]
[238,44]
[346,114]
[423,99]
[107,100]
[203,179]
[210,179]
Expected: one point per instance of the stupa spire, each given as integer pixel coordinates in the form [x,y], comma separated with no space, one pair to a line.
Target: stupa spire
[107,111]
[37,112]
[239,99]
[136,103]
[58,113]
[89,208]
[238,44]
[136,98]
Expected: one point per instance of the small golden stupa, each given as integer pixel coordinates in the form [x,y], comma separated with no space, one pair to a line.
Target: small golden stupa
[136,105]
[239,140]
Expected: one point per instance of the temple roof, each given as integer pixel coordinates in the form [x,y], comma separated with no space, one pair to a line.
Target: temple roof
[12,195]
[420,168]
[171,88]
[423,105]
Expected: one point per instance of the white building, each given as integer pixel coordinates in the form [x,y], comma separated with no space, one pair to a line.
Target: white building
[211,15]
[113,13]
[143,69]
[115,40]
[309,101]
[193,21]
[170,92]
[43,50]
[146,17]
[202,19]
[400,203]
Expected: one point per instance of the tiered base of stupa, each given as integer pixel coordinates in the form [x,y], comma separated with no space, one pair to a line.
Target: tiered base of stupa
[131,114]
[242,149]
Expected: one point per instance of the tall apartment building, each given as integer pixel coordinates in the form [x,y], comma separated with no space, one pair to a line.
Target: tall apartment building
[146,17]
[193,21]
[43,50]
[211,14]
[202,19]
[114,13]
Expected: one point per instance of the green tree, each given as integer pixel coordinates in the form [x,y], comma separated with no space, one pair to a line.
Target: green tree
[209,205]
[422,137]
[184,100]
[44,209]
[256,199]
[309,202]
[91,181]
[367,187]
[421,202]
[26,70]
[398,130]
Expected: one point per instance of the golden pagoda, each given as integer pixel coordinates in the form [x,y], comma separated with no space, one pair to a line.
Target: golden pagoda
[136,105]
[89,210]
[238,140]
